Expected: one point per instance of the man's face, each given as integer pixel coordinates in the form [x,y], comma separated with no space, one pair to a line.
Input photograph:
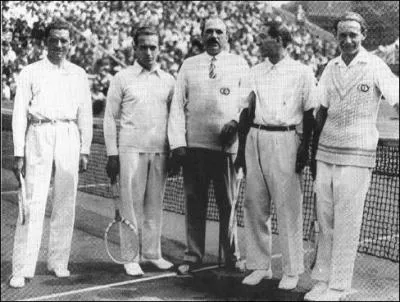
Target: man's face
[147,50]
[269,46]
[214,36]
[349,37]
[58,44]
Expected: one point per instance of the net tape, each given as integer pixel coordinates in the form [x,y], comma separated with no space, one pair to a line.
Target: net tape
[380,227]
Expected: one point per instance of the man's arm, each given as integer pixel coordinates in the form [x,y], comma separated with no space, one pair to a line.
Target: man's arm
[320,120]
[302,152]
[85,124]
[20,121]
[245,121]
[309,103]
[177,124]
[112,110]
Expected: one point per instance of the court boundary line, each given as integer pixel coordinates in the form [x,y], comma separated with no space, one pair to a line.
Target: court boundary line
[105,286]
[99,287]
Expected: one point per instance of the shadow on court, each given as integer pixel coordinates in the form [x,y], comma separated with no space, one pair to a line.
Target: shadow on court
[95,278]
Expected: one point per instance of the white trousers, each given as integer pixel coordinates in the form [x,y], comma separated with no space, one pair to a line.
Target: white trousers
[143,178]
[271,176]
[59,142]
[341,192]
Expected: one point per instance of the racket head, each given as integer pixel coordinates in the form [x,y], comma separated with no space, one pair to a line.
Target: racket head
[121,241]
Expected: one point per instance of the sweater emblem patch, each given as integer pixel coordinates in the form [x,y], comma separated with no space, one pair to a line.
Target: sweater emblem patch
[225,91]
[363,87]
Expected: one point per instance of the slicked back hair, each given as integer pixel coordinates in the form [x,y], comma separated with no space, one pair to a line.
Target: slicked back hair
[146,31]
[352,16]
[57,25]
[279,30]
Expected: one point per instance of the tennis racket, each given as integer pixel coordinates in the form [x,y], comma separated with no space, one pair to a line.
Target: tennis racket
[314,232]
[21,201]
[121,236]
[233,214]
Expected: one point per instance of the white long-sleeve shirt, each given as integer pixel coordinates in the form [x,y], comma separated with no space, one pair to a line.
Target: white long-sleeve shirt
[140,98]
[45,91]
[202,106]
[283,92]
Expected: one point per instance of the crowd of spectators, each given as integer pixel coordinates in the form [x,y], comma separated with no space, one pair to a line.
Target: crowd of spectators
[102,39]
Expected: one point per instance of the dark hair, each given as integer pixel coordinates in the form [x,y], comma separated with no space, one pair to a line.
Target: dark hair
[204,21]
[352,16]
[57,25]
[146,31]
[279,30]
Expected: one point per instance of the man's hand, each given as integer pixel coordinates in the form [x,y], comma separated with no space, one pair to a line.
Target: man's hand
[19,166]
[112,167]
[301,158]
[313,167]
[176,160]
[228,134]
[83,162]
[240,162]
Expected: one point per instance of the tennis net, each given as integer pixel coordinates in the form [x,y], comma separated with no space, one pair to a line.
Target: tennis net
[380,227]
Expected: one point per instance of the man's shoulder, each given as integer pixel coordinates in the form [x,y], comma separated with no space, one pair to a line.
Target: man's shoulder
[166,75]
[235,57]
[32,66]
[374,59]
[258,67]
[75,68]
[304,68]
[193,60]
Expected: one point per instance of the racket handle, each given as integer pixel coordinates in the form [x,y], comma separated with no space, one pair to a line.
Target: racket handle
[117,215]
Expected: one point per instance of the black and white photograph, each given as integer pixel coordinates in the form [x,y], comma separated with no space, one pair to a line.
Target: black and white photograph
[200,151]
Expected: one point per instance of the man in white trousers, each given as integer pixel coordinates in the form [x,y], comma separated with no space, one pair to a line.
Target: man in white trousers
[202,130]
[349,91]
[281,90]
[52,122]
[140,96]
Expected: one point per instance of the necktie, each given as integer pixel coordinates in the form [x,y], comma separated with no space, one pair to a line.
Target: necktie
[212,73]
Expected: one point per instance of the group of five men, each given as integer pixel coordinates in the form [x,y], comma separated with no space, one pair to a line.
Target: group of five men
[194,123]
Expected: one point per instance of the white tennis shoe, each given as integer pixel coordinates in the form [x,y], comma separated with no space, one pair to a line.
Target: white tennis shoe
[332,295]
[17,282]
[257,276]
[160,263]
[133,269]
[59,272]
[317,290]
[288,282]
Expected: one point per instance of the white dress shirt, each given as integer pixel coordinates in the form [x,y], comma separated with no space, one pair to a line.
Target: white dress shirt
[45,91]
[283,92]
[141,99]
[202,106]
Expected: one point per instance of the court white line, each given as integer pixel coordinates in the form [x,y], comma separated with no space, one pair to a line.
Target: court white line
[84,290]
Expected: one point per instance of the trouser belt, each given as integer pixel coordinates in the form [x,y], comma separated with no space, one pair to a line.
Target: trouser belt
[274,128]
[35,121]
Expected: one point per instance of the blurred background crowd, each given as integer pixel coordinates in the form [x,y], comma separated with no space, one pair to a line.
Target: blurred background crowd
[102,34]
